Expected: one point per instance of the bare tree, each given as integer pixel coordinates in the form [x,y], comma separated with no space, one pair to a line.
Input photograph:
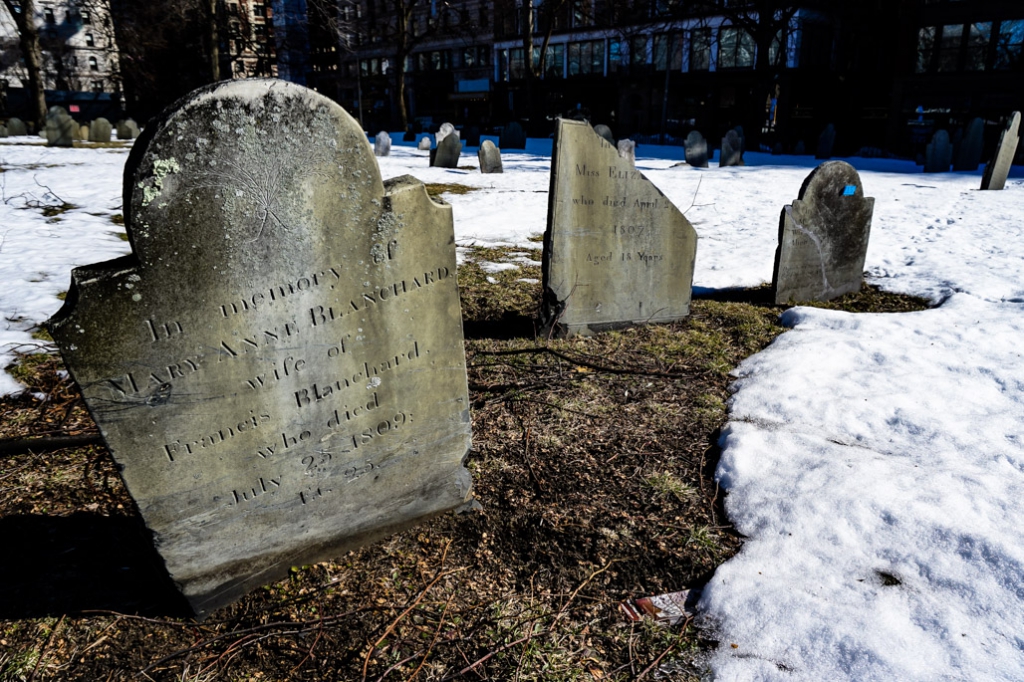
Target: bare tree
[23,12]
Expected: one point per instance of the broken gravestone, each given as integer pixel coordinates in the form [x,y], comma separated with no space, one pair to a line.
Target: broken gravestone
[938,154]
[968,152]
[605,132]
[998,168]
[823,237]
[278,367]
[16,127]
[616,250]
[489,157]
[382,144]
[732,150]
[60,128]
[444,131]
[627,150]
[100,130]
[447,152]
[696,150]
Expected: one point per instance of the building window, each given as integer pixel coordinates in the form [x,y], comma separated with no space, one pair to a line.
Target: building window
[516,67]
[978,39]
[86,19]
[554,63]
[638,55]
[582,14]
[668,51]
[586,58]
[735,48]
[93,64]
[777,50]
[97,86]
[614,56]
[949,47]
[700,49]
[1009,44]
[48,16]
[89,41]
[925,48]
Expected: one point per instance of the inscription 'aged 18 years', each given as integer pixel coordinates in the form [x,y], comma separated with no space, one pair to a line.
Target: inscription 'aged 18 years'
[616,250]
[278,367]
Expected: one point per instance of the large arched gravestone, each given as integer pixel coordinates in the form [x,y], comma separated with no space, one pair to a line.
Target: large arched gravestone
[823,237]
[278,367]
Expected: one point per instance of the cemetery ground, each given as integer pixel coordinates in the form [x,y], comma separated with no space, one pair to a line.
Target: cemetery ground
[594,459]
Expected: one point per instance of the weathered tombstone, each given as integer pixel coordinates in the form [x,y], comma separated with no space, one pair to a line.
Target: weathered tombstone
[81,132]
[16,127]
[616,251]
[447,152]
[823,237]
[998,168]
[968,155]
[100,130]
[382,144]
[490,158]
[627,150]
[826,142]
[445,130]
[278,367]
[60,128]
[605,132]
[938,154]
[134,127]
[424,143]
[3,130]
[127,130]
[472,138]
[696,150]
[512,137]
[732,150]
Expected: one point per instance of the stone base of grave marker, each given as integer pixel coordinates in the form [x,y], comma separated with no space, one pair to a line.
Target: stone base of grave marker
[617,252]
[278,367]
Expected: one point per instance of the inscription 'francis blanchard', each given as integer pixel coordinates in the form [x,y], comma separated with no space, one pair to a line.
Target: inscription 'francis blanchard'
[286,324]
[616,250]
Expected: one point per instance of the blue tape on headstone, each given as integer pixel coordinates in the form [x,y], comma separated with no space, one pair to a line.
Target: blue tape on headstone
[849,190]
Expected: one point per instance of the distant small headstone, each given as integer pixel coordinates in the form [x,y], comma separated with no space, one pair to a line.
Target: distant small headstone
[800,148]
[278,366]
[616,251]
[512,137]
[605,132]
[127,130]
[100,130]
[81,132]
[472,136]
[60,128]
[999,167]
[447,152]
[627,150]
[778,149]
[968,154]
[823,237]
[382,144]
[424,143]
[732,150]
[938,154]
[826,142]
[445,130]
[3,130]
[490,158]
[696,150]
[16,127]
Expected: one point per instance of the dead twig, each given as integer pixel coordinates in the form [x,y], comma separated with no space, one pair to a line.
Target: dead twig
[19,446]
[664,653]
[42,652]
[437,632]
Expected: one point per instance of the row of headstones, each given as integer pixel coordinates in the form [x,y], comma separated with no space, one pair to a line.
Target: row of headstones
[448,150]
[61,130]
[295,385]
[964,152]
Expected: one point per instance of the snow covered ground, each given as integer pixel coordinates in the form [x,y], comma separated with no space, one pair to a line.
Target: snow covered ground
[874,462]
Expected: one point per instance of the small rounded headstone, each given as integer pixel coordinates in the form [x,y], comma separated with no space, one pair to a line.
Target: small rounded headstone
[3,131]
[127,130]
[382,144]
[696,150]
[605,132]
[800,148]
[16,127]
[100,130]
[60,129]
[490,158]
[472,137]
[732,150]
[424,143]
[938,154]
[82,133]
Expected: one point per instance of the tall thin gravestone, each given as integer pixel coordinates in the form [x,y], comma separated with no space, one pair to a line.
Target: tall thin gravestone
[998,168]
[489,157]
[382,144]
[823,237]
[732,150]
[696,150]
[60,128]
[938,154]
[278,367]
[616,251]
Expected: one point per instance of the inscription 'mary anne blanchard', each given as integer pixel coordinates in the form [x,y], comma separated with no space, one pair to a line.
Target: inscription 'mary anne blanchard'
[278,366]
[616,250]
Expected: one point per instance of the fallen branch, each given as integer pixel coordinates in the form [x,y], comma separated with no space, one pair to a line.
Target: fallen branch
[19,446]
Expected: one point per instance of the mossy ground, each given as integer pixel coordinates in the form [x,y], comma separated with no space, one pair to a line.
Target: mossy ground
[593,461]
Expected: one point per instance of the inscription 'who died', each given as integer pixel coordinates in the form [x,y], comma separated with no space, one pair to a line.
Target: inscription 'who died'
[312,336]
